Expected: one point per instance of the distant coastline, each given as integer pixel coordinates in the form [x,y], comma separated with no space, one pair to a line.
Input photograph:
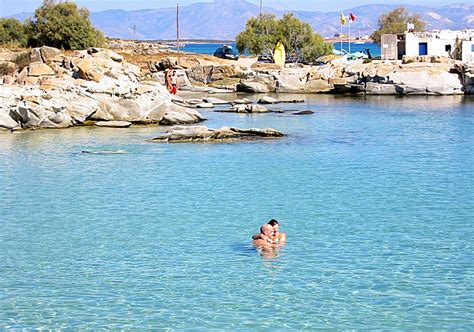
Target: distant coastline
[173,41]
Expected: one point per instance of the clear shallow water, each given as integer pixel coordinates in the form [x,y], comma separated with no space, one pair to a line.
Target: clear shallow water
[374,194]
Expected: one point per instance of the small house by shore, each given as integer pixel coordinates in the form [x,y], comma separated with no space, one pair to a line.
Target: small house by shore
[446,43]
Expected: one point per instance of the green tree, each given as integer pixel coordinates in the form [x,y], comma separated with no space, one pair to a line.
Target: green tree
[316,47]
[395,22]
[62,25]
[12,32]
[262,33]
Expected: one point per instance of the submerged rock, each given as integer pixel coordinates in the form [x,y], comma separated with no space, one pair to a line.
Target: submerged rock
[242,101]
[292,101]
[247,108]
[104,152]
[216,101]
[305,112]
[182,134]
[205,105]
[113,124]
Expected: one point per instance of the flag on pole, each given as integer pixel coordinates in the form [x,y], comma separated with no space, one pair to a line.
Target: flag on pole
[352,17]
[343,19]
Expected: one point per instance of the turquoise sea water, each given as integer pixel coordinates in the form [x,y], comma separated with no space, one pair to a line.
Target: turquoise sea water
[374,48]
[210,48]
[375,195]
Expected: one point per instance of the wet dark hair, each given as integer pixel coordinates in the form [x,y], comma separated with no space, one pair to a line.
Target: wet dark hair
[273,222]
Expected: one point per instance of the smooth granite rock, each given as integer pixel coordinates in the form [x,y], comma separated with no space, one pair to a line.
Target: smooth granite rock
[39,69]
[6,121]
[67,100]
[267,100]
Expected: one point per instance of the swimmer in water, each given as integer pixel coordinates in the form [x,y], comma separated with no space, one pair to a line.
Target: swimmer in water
[264,239]
[275,238]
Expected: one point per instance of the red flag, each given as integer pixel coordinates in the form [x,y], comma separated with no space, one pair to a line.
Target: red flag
[352,17]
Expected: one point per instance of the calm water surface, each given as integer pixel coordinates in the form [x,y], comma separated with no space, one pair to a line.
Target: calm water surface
[375,195]
[211,48]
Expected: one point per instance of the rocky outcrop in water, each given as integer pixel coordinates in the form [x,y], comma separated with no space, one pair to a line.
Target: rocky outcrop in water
[58,91]
[201,134]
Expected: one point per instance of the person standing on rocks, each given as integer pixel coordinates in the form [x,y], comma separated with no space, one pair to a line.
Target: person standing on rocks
[174,83]
[168,80]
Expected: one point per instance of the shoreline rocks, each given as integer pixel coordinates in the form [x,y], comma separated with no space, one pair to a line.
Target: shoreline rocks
[47,88]
[59,91]
[370,79]
[430,75]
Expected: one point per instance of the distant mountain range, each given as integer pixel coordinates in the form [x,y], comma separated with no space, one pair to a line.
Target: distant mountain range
[224,19]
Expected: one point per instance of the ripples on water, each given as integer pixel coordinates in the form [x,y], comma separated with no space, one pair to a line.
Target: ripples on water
[375,195]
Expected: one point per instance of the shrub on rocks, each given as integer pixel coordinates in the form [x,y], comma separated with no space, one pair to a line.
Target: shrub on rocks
[12,32]
[62,25]
[22,60]
[7,68]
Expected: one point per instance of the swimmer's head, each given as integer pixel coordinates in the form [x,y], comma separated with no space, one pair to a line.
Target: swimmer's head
[266,230]
[276,226]
[273,222]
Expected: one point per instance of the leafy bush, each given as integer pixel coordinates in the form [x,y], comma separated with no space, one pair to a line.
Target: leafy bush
[62,25]
[12,31]
[22,60]
[6,69]
[262,34]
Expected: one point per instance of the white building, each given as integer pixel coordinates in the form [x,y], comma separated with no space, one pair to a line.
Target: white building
[436,42]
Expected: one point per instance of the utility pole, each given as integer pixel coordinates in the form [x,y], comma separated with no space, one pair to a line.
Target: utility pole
[177,29]
[261,5]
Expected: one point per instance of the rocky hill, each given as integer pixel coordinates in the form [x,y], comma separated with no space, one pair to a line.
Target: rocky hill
[224,19]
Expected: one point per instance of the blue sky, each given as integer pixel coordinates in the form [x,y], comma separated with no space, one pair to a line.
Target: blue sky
[9,7]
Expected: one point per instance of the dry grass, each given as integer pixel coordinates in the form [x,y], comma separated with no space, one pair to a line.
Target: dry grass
[142,60]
